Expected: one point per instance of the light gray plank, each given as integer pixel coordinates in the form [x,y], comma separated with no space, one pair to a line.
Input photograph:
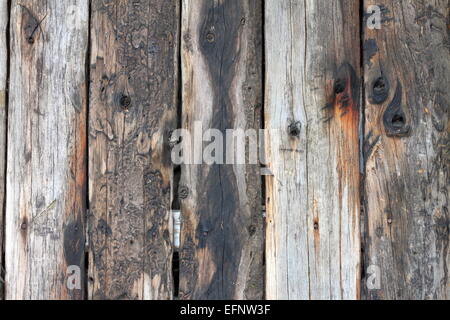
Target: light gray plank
[312,149]
[46,175]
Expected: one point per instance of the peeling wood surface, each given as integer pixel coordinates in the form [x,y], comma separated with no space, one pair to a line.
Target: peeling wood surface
[3,78]
[46,174]
[312,112]
[221,249]
[407,81]
[133,109]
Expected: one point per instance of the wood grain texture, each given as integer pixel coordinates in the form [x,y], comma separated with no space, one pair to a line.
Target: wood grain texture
[46,174]
[312,114]
[4,16]
[133,109]
[221,249]
[407,81]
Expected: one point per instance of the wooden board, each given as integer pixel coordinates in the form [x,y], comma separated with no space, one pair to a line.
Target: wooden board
[133,105]
[407,81]
[46,174]
[312,112]
[4,15]
[221,249]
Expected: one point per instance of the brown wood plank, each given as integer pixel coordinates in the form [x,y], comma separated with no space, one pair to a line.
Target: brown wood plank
[46,174]
[221,249]
[133,108]
[312,110]
[4,16]
[407,81]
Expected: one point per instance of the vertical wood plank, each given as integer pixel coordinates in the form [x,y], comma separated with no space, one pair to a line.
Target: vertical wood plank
[4,15]
[221,249]
[46,174]
[312,116]
[407,81]
[133,108]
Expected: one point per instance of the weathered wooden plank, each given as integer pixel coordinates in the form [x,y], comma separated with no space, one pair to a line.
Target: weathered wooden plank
[133,108]
[221,249]
[4,15]
[407,81]
[46,174]
[312,116]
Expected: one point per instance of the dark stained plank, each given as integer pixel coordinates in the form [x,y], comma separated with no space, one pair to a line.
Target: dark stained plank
[312,112]
[407,81]
[47,149]
[133,109]
[222,246]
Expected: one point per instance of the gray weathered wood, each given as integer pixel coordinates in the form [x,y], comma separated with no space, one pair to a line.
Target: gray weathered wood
[312,112]
[133,108]
[4,14]
[46,172]
[407,81]
[221,249]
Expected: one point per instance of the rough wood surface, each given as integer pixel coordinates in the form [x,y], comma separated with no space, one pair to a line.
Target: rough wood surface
[4,15]
[312,112]
[133,109]
[407,81]
[221,249]
[46,174]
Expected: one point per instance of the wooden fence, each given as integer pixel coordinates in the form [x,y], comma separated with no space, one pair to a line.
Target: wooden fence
[351,201]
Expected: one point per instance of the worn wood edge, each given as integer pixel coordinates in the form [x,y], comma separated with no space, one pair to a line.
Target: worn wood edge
[4,19]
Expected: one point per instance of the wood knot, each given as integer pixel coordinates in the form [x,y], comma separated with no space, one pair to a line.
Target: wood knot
[24,225]
[210,37]
[125,102]
[339,86]
[294,129]
[251,230]
[380,90]
[183,192]
[394,118]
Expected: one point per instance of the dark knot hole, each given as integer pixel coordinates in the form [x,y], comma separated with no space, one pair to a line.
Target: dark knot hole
[379,85]
[398,121]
